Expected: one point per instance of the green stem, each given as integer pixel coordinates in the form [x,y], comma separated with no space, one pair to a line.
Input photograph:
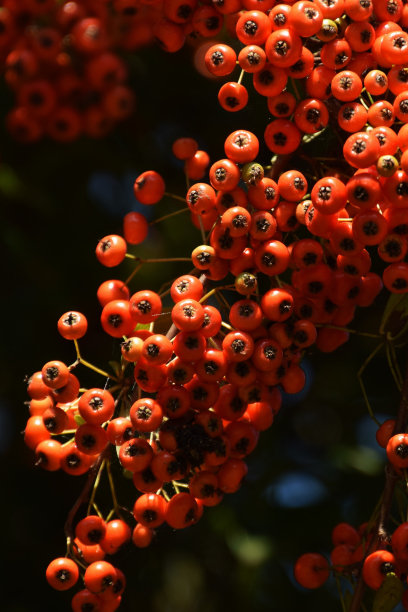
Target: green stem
[95,487]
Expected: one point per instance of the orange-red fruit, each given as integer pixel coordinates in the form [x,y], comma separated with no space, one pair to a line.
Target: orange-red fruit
[62,573]
[311,570]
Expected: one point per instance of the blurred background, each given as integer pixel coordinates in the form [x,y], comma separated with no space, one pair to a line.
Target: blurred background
[318,465]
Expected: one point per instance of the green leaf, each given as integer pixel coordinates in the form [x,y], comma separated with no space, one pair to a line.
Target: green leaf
[389,594]
[142,326]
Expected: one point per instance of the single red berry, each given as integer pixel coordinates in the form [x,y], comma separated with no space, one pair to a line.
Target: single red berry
[135,227]
[72,325]
[376,566]
[62,573]
[311,570]
[111,250]
[397,450]
[149,187]
[149,510]
[55,374]
[181,511]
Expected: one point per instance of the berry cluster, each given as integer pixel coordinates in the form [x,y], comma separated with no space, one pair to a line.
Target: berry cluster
[62,60]
[285,258]
[384,569]
[186,407]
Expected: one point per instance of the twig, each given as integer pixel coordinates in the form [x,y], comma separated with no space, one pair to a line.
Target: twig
[391,478]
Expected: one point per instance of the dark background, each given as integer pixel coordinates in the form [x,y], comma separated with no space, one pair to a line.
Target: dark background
[318,464]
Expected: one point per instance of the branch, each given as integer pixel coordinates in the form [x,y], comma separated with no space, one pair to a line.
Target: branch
[391,478]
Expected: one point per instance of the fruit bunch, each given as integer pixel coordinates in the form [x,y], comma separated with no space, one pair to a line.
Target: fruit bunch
[284,260]
[383,563]
[64,61]
[184,408]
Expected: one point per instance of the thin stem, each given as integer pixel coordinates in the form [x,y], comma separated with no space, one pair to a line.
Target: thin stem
[295,89]
[391,364]
[363,102]
[98,512]
[350,331]
[208,295]
[173,214]
[173,196]
[227,326]
[98,370]
[135,271]
[95,487]
[397,368]
[116,505]
[343,605]
[166,259]
[93,473]
[362,385]
[89,365]
[241,76]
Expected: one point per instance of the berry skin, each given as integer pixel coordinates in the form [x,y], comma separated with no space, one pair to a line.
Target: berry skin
[117,534]
[376,566]
[252,58]
[181,511]
[116,318]
[188,315]
[111,250]
[384,432]
[277,304]
[35,431]
[100,577]
[135,228]
[397,450]
[241,146]
[311,570]
[112,290]
[48,455]
[142,536]
[282,136]
[184,148]
[253,27]
[72,325]
[245,315]
[145,306]
[146,415]
[136,454]
[220,60]
[149,187]
[186,286]
[62,573]
[149,510]
[55,374]
[96,406]
[90,530]
[90,439]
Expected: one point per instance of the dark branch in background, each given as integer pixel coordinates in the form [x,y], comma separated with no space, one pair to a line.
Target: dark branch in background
[391,478]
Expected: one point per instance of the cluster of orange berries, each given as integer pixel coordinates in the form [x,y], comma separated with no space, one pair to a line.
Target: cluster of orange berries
[62,59]
[190,403]
[352,548]
[286,262]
